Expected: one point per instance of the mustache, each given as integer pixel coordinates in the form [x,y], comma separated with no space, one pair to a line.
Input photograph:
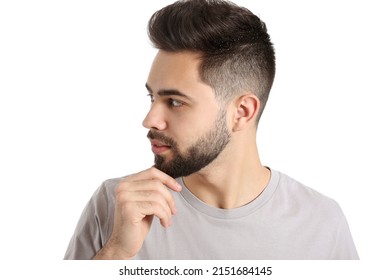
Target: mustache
[161,137]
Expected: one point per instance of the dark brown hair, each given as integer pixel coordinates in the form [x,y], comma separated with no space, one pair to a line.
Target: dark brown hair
[236,51]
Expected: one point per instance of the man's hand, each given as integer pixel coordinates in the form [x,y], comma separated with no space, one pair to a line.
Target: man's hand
[139,197]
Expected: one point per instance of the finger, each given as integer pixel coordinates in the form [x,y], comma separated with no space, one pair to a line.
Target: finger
[149,190]
[147,208]
[136,211]
[156,186]
[165,201]
[154,173]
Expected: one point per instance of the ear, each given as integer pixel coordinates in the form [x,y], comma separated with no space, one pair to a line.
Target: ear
[246,108]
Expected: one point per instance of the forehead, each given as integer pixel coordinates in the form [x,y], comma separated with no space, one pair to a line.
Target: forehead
[178,71]
[179,64]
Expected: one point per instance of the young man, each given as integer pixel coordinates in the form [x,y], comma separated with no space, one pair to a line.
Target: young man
[208,196]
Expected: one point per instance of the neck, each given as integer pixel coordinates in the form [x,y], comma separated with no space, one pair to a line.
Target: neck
[234,179]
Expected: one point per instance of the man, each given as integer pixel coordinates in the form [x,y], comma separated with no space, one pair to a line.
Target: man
[208,195]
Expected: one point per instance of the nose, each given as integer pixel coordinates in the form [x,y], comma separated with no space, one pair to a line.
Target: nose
[155,119]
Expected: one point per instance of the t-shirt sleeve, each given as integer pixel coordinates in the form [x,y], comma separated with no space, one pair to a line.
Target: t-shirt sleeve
[93,227]
[344,248]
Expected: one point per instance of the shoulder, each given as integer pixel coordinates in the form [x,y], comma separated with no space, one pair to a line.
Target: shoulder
[297,195]
[102,201]
[107,189]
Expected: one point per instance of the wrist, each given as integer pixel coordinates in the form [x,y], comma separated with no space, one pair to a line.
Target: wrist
[112,252]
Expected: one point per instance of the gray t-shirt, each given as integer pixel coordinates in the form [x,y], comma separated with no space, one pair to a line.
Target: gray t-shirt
[287,221]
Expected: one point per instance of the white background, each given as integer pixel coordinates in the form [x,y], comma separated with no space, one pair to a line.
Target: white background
[72,100]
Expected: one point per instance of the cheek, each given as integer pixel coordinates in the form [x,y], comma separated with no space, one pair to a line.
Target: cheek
[231,116]
[187,127]
[191,133]
[184,136]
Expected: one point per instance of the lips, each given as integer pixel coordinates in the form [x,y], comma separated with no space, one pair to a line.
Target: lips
[159,147]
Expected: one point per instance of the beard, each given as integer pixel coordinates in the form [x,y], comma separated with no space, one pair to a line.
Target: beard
[200,154]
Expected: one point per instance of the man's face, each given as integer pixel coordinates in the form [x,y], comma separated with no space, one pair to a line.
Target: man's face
[187,127]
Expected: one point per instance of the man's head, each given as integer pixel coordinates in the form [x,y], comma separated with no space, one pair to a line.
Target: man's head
[236,51]
[214,58]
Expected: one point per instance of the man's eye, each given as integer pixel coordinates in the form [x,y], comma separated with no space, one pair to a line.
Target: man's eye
[175,103]
[151,97]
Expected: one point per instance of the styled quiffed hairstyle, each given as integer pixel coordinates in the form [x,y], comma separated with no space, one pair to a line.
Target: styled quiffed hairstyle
[236,51]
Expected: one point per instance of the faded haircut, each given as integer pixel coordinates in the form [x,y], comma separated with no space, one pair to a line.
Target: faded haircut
[236,52]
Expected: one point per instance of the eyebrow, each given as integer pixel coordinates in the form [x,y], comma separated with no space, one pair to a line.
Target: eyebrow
[169,92]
